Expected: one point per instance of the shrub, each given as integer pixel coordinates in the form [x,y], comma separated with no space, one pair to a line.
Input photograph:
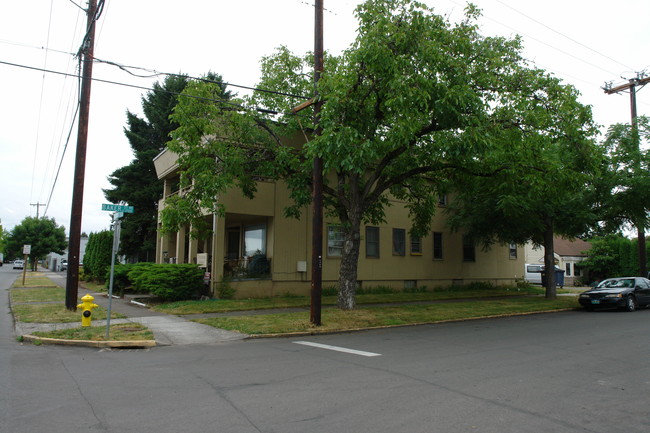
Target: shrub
[168,281]
[123,275]
[225,290]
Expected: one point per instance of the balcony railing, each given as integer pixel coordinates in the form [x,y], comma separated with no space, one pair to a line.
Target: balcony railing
[257,266]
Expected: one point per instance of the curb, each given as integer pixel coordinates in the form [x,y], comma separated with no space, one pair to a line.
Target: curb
[402,325]
[90,343]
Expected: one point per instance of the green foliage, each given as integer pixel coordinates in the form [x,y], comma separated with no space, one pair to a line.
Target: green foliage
[137,183]
[42,234]
[97,259]
[413,107]
[125,274]
[612,256]
[377,290]
[170,282]
[225,290]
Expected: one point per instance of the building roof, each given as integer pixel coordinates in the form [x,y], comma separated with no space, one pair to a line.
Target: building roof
[571,247]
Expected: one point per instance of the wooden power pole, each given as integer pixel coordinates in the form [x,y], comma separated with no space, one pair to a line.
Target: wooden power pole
[86,56]
[631,86]
[317,179]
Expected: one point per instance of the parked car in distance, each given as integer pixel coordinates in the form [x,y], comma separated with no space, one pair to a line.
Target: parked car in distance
[64,265]
[627,293]
[19,264]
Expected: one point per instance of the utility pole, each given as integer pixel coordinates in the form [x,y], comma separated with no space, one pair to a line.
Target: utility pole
[317,178]
[86,54]
[38,207]
[631,86]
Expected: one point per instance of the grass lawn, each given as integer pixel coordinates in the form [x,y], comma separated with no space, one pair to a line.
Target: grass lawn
[225,305]
[334,319]
[34,279]
[37,294]
[54,313]
[121,332]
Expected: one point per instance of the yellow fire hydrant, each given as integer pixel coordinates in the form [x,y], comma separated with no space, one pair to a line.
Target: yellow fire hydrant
[87,305]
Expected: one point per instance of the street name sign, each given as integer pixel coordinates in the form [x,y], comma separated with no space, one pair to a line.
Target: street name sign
[117,208]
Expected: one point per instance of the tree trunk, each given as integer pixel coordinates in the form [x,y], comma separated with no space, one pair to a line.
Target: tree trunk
[549,260]
[349,265]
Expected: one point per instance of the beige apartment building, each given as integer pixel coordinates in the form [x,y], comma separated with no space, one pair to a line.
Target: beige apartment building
[263,253]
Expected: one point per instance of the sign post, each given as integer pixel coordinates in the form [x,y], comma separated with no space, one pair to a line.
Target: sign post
[119,210]
[27,250]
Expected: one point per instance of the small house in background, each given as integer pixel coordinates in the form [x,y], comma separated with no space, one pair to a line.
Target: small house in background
[53,260]
[568,254]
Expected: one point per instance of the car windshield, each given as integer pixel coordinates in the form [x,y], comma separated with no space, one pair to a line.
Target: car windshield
[623,282]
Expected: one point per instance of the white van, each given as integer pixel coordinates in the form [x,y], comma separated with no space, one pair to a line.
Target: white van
[533,273]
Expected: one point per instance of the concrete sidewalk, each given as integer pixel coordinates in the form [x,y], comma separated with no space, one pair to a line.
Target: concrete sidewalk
[167,329]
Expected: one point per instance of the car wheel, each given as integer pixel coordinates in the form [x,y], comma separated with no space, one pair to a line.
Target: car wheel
[630,303]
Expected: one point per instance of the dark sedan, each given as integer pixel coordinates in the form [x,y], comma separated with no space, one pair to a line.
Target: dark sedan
[627,293]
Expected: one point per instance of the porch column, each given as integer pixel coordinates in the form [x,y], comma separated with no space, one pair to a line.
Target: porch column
[193,249]
[180,245]
[218,250]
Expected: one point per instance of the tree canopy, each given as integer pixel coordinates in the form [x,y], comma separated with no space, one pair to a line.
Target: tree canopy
[137,183]
[543,182]
[42,234]
[626,201]
[414,104]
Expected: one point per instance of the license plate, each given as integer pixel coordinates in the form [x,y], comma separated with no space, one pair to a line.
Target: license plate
[595,301]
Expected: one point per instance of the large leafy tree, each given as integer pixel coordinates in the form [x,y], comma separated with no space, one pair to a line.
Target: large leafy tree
[548,185]
[612,255]
[137,183]
[42,234]
[628,182]
[415,100]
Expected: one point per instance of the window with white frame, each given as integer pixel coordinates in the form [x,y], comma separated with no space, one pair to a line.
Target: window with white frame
[512,251]
[255,239]
[335,240]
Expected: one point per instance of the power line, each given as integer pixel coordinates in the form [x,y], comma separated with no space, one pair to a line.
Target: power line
[155,73]
[134,86]
[562,34]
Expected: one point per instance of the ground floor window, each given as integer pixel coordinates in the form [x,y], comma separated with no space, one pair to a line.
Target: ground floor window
[513,251]
[335,240]
[469,249]
[399,242]
[437,246]
[255,239]
[372,242]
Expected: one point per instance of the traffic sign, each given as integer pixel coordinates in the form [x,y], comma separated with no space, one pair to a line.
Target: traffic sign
[118,208]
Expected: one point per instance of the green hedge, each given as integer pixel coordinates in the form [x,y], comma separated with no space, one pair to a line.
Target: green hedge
[123,275]
[168,282]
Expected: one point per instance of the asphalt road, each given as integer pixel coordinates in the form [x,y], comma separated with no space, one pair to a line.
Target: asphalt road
[562,372]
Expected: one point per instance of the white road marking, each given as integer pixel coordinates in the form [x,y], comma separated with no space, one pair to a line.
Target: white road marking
[336,348]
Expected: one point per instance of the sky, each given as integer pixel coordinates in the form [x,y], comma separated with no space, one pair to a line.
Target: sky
[584,42]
